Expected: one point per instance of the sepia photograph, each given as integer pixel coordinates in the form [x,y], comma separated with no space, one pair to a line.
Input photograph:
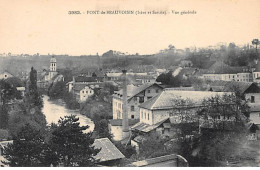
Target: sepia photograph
[129,83]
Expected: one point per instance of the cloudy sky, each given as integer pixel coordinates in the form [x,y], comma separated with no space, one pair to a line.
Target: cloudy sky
[44,26]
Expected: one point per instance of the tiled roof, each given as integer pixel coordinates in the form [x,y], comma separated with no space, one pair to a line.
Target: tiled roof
[146,127]
[87,79]
[165,99]
[222,68]
[230,86]
[134,90]
[108,150]
[118,122]
[79,86]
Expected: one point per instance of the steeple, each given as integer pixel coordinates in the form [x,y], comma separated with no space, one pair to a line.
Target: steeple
[53,64]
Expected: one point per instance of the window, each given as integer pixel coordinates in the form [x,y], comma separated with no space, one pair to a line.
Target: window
[148,91]
[157,90]
[142,115]
[132,108]
[132,116]
[163,131]
[149,97]
[83,92]
[148,116]
[252,99]
[141,99]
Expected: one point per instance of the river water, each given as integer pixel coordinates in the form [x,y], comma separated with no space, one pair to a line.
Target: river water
[54,109]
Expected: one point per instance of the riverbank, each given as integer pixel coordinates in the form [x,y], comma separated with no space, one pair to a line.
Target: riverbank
[54,109]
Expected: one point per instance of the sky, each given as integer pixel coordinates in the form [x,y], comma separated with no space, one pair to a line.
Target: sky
[44,26]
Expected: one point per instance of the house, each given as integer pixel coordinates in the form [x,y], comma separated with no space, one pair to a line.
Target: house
[135,96]
[186,63]
[249,90]
[158,113]
[5,75]
[109,154]
[117,76]
[79,82]
[256,72]
[145,79]
[83,91]
[221,71]
[115,127]
[86,92]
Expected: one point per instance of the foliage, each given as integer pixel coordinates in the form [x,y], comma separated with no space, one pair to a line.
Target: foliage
[169,79]
[151,146]
[70,100]
[71,145]
[15,82]
[220,137]
[57,90]
[33,95]
[27,149]
[4,134]
[126,150]
[34,117]
[101,129]
[8,92]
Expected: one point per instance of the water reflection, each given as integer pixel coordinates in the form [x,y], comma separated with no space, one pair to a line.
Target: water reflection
[53,110]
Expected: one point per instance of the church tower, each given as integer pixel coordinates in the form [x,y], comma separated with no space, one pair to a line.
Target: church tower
[53,67]
[53,64]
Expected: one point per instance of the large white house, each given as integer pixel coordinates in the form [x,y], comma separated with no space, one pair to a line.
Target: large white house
[135,96]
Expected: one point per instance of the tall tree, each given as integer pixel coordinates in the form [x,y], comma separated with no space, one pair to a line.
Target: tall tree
[27,149]
[72,146]
[33,94]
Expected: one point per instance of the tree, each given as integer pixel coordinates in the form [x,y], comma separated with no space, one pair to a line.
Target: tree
[27,149]
[71,102]
[101,129]
[151,146]
[169,79]
[7,93]
[72,146]
[33,94]
[57,90]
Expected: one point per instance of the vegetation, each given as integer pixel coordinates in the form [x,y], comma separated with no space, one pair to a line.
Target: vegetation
[65,144]
[71,145]
[27,149]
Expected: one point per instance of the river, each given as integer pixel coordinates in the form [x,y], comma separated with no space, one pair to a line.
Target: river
[54,109]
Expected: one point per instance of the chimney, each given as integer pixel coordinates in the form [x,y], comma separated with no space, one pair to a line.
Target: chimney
[126,132]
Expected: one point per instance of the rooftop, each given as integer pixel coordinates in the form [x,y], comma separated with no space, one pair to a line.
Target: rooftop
[118,122]
[231,86]
[165,100]
[108,150]
[134,90]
